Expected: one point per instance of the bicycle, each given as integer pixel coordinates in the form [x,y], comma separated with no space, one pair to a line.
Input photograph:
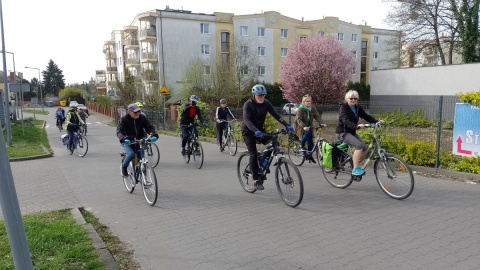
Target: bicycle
[287,176]
[140,172]
[228,139]
[393,174]
[152,154]
[59,123]
[194,147]
[80,143]
[297,154]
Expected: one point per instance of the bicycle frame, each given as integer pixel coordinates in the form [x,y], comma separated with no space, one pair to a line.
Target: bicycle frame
[271,151]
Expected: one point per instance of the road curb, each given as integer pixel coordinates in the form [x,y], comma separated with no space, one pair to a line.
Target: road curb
[97,242]
[46,155]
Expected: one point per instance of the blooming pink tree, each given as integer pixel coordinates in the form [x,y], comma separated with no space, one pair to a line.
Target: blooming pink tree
[318,66]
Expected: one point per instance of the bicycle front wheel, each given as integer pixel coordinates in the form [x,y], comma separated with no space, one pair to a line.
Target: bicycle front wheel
[152,154]
[339,176]
[197,152]
[231,144]
[295,152]
[149,184]
[129,180]
[82,146]
[394,176]
[289,182]
[244,173]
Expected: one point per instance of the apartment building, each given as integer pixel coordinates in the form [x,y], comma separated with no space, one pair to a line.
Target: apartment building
[426,53]
[164,42]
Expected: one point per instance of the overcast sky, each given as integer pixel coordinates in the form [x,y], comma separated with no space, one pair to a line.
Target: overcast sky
[72,32]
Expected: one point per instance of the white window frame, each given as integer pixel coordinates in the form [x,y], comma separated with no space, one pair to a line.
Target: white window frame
[283,33]
[244,70]
[340,36]
[261,70]
[375,39]
[244,50]
[205,49]
[354,37]
[284,52]
[207,70]
[261,31]
[261,51]
[204,28]
[244,31]
[375,55]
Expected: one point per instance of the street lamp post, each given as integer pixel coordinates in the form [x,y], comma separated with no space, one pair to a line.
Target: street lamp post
[39,86]
[7,99]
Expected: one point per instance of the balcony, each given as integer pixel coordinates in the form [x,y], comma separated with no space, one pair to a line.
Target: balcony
[100,85]
[148,34]
[111,69]
[112,84]
[131,43]
[111,55]
[131,62]
[149,57]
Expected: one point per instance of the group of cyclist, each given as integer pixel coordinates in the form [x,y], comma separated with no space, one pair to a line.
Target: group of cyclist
[135,125]
[73,119]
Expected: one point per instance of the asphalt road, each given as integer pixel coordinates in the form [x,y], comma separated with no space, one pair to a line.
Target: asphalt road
[204,220]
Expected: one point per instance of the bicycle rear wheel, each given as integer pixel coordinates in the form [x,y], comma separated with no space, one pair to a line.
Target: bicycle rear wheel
[197,152]
[394,176]
[295,152]
[152,154]
[289,182]
[81,146]
[231,144]
[129,181]
[339,176]
[244,173]
[149,184]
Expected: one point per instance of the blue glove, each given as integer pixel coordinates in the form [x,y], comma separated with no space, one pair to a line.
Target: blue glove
[153,139]
[127,142]
[258,133]
[290,128]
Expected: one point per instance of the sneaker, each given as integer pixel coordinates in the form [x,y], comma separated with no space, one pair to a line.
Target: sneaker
[183,151]
[259,185]
[311,159]
[124,171]
[328,170]
[358,171]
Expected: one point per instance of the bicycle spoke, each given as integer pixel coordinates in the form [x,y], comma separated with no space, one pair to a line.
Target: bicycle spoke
[394,177]
[289,182]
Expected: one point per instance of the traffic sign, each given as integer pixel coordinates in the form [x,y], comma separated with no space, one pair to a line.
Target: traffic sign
[164,91]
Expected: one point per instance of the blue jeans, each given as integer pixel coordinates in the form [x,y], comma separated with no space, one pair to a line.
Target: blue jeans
[130,154]
[70,131]
[307,137]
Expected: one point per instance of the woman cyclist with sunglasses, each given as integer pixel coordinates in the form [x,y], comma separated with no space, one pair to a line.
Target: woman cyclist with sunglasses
[350,112]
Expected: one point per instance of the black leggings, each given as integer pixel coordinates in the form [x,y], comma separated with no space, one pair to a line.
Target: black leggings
[220,128]
[251,142]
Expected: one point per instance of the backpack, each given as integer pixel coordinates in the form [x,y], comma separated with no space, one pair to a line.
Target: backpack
[59,114]
[331,153]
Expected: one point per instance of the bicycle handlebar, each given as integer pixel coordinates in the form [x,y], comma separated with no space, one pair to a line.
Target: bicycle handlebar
[372,125]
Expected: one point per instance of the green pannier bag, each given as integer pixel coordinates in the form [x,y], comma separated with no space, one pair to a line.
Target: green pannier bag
[331,153]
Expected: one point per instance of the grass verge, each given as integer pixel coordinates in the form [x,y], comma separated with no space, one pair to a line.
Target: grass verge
[27,139]
[37,111]
[55,240]
[122,254]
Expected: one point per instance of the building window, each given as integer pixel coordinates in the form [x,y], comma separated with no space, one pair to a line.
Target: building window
[354,37]
[261,31]
[204,28]
[303,38]
[244,50]
[284,52]
[340,36]
[244,70]
[321,33]
[205,49]
[206,70]
[261,51]
[375,39]
[244,30]
[284,33]
[354,55]
[375,55]
[225,41]
[364,48]
[261,70]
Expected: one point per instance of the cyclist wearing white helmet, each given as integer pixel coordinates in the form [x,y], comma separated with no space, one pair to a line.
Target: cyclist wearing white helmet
[221,115]
[190,111]
[255,111]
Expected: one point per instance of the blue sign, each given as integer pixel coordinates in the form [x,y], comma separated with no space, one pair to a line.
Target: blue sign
[466,130]
[92,96]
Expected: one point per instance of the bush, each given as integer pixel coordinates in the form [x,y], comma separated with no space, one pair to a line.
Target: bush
[397,118]
[210,130]
[472,98]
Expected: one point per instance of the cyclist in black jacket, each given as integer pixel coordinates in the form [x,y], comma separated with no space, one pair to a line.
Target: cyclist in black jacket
[187,117]
[221,115]
[130,127]
[254,113]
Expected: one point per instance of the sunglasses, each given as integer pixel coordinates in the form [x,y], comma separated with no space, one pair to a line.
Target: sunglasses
[353,98]
[135,112]
[306,96]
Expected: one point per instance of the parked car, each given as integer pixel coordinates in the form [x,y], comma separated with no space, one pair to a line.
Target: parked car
[290,107]
[73,103]
[83,107]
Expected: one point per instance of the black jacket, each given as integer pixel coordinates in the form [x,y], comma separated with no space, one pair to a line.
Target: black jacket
[134,128]
[186,116]
[254,115]
[223,113]
[347,122]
